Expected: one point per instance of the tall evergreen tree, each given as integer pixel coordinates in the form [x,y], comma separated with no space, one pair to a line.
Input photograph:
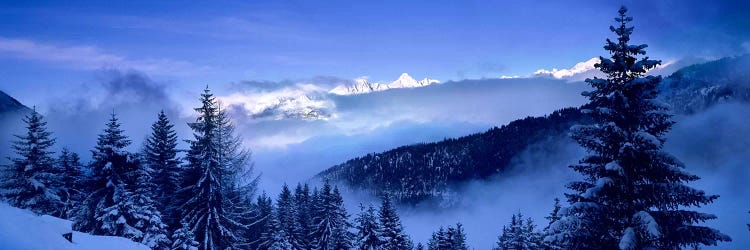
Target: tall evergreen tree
[392,231]
[146,216]
[108,208]
[235,158]
[260,221]
[368,229]
[634,195]
[553,217]
[459,238]
[240,180]
[303,218]
[204,182]
[160,153]
[331,220]
[285,213]
[32,181]
[72,179]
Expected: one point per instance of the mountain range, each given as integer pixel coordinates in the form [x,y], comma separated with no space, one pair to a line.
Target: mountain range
[416,172]
[363,85]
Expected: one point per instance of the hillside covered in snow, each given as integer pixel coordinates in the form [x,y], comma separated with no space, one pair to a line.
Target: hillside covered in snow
[21,229]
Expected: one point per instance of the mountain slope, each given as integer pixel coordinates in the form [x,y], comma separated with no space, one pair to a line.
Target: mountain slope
[11,114]
[420,171]
[9,104]
[697,87]
[415,172]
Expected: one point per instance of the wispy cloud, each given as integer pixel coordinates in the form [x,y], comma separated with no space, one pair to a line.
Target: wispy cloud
[92,58]
[220,27]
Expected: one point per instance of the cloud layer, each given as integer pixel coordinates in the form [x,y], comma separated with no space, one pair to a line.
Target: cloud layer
[93,58]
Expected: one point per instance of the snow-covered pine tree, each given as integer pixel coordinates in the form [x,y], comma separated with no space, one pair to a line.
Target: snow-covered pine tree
[235,159]
[146,216]
[160,154]
[72,179]
[274,233]
[303,219]
[32,181]
[509,235]
[285,213]
[240,180]
[553,217]
[458,239]
[634,195]
[204,182]
[440,240]
[520,234]
[392,231]
[532,238]
[263,208]
[183,238]
[331,220]
[368,229]
[109,207]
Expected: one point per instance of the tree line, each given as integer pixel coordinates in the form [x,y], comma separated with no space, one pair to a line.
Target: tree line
[204,200]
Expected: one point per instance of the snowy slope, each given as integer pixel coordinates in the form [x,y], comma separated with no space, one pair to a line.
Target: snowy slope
[21,229]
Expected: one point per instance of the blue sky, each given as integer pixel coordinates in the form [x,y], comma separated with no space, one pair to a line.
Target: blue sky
[54,44]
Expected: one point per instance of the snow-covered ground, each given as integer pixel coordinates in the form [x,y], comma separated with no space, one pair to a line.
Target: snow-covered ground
[21,229]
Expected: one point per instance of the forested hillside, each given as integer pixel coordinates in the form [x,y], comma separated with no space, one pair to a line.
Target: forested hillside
[414,172]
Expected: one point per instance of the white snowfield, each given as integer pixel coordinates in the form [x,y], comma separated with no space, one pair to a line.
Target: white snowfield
[21,229]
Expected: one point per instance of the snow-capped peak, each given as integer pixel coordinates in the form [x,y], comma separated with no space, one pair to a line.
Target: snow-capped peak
[579,68]
[363,85]
[404,81]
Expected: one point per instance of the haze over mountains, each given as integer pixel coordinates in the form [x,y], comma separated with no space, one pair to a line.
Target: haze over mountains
[416,172]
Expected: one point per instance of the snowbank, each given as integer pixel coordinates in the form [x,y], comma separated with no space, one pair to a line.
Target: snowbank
[21,229]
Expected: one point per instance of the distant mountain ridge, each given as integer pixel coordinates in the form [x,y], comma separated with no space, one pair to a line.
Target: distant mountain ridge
[11,113]
[415,172]
[10,104]
[363,85]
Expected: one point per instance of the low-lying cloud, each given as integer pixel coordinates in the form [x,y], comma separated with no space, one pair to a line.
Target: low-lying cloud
[706,142]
